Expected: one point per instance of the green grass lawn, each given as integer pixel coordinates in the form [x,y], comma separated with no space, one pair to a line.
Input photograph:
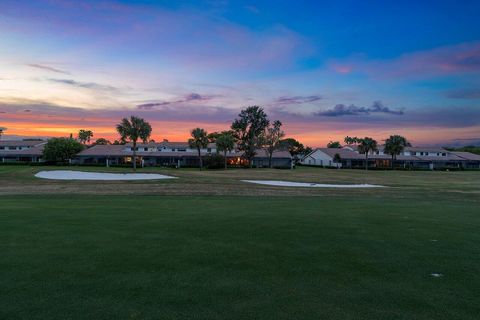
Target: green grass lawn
[330,254]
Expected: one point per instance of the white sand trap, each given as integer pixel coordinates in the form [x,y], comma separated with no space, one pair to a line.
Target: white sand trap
[83,175]
[310,185]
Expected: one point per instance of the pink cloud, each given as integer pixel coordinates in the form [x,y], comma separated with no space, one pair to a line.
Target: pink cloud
[447,60]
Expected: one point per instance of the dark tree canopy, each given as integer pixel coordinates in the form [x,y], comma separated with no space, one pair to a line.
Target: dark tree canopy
[271,139]
[61,149]
[84,136]
[293,146]
[134,129]
[248,129]
[102,141]
[366,145]
[225,143]
[395,145]
[198,141]
[334,144]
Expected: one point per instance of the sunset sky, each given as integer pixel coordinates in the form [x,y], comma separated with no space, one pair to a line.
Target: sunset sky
[326,69]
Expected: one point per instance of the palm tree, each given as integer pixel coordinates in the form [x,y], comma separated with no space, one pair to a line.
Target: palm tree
[84,136]
[367,145]
[395,145]
[2,130]
[199,140]
[225,142]
[134,129]
[351,140]
[337,159]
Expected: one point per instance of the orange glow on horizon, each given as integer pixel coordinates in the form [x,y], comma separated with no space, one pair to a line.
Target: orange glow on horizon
[180,131]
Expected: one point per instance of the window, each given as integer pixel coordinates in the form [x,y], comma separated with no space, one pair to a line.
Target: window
[444,154]
[183,150]
[421,153]
[12,148]
[209,149]
[413,153]
[145,149]
[426,153]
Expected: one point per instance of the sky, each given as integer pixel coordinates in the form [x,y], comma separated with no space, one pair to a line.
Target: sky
[326,69]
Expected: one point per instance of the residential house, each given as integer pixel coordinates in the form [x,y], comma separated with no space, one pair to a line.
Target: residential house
[411,157]
[21,150]
[178,154]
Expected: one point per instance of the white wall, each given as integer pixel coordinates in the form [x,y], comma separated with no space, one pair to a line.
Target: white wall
[319,158]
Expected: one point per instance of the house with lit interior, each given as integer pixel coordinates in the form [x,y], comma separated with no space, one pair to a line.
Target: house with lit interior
[177,154]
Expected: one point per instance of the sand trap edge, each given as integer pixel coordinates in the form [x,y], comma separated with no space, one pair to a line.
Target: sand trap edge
[98,176]
[279,183]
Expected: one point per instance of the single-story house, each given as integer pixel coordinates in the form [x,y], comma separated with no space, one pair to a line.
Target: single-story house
[166,153]
[21,150]
[411,157]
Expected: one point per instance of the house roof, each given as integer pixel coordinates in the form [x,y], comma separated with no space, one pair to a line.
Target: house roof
[348,154]
[33,151]
[425,149]
[167,144]
[119,150]
[467,155]
[342,152]
[21,143]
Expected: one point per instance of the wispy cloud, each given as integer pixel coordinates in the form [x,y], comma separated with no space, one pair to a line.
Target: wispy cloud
[86,85]
[48,68]
[463,94]
[298,99]
[187,98]
[353,110]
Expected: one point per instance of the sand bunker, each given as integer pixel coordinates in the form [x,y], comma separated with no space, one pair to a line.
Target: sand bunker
[82,175]
[310,185]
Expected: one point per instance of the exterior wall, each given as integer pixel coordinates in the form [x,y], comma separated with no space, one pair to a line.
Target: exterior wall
[169,149]
[319,158]
[262,162]
[19,158]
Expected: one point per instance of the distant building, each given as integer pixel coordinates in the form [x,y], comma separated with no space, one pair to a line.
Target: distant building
[21,150]
[411,157]
[166,153]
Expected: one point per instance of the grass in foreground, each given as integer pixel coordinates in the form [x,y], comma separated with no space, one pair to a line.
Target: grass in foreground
[151,257]
[21,180]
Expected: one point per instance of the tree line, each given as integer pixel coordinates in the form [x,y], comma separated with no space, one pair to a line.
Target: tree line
[251,131]
[394,146]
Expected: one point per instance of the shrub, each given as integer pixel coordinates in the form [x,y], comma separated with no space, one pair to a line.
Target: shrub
[214,161]
[59,150]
